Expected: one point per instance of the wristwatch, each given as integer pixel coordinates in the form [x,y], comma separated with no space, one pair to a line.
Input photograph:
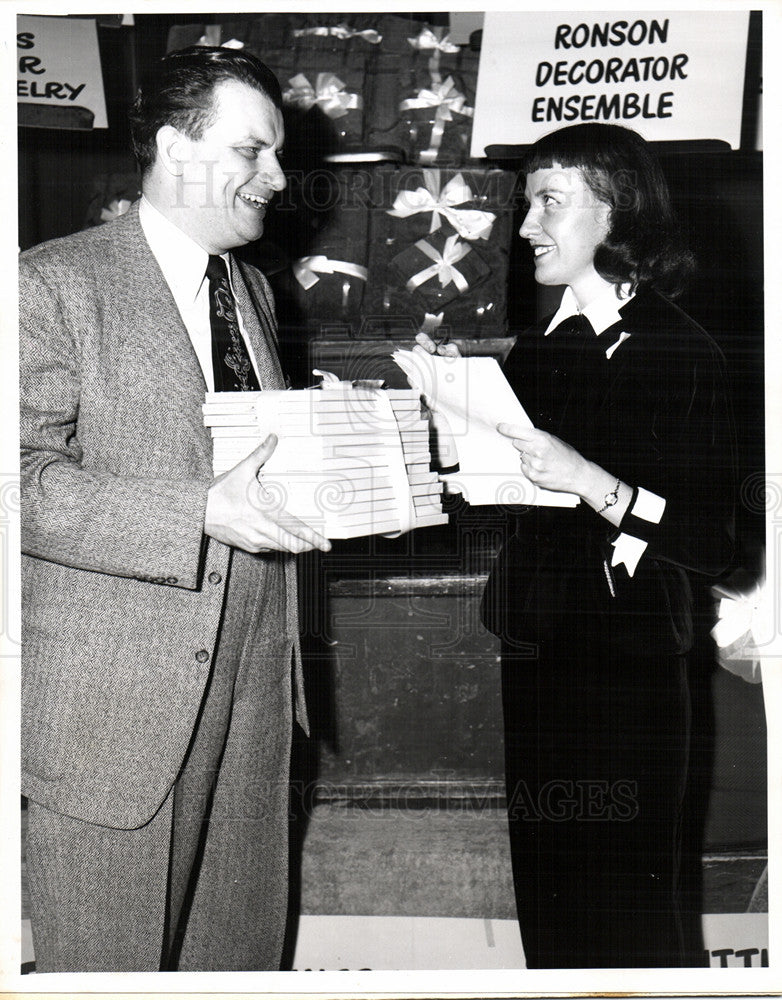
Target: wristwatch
[612,498]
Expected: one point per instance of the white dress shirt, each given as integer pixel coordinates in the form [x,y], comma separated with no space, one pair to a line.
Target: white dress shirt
[183,264]
[601,312]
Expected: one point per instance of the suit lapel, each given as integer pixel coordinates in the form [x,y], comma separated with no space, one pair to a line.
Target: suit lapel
[158,355]
[158,323]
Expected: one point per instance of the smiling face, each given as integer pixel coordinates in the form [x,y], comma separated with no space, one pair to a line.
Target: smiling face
[565,224]
[229,175]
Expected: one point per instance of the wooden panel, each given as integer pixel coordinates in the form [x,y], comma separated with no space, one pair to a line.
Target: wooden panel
[406,709]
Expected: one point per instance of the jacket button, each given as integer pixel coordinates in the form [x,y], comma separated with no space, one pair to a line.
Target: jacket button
[202,656]
[215,578]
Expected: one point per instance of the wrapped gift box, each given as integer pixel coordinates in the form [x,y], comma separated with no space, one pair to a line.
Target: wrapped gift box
[324,89]
[321,222]
[412,204]
[423,88]
[322,64]
[273,29]
[438,268]
[436,118]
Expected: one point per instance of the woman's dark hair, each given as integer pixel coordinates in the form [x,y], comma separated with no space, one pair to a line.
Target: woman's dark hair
[644,244]
[179,92]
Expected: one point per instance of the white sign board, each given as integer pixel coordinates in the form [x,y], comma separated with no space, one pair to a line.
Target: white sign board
[58,64]
[731,941]
[670,75]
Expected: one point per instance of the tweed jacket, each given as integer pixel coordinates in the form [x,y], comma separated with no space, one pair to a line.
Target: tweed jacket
[122,592]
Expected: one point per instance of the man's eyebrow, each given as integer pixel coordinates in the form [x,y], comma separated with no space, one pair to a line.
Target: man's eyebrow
[252,140]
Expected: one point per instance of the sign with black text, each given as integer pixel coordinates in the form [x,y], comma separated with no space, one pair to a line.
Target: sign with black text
[58,66]
[670,75]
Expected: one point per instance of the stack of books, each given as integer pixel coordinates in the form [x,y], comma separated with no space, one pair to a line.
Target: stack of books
[350,461]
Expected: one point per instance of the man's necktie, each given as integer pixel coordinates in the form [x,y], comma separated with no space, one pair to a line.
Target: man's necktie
[233,370]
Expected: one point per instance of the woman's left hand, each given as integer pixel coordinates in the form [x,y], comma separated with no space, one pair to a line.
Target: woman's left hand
[548,462]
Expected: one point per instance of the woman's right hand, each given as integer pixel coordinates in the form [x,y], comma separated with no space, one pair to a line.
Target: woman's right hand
[424,341]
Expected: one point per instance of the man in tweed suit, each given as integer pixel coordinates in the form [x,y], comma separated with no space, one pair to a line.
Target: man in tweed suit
[159,605]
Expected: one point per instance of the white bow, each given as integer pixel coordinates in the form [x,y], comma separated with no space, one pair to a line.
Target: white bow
[432,323]
[427,39]
[328,93]
[211,36]
[469,223]
[340,31]
[116,208]
[443,265]
[307,269]
[445,97]
[740,614]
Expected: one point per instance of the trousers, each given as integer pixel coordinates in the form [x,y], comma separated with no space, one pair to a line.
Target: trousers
[203,885]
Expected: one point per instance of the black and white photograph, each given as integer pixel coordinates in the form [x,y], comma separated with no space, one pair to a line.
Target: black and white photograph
[391,501]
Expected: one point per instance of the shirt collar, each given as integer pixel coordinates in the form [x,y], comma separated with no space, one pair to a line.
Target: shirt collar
[181,259]
[601,312]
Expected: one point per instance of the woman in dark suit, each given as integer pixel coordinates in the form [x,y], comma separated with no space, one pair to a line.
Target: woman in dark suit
[593,604]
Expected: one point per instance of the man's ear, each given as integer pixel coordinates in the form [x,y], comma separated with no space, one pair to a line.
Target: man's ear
[172,149]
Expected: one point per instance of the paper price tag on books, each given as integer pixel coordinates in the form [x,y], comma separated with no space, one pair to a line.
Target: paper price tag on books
[469,397]
[349,461]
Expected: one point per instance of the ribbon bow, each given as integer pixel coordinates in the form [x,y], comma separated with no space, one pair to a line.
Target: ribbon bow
[427,39]
[432,323]
[443,265]
[115,209]
[328,93]
[445,97]
[469,223]
[307,269]
[211,36]
[743,615]
[340,31]
[447,100]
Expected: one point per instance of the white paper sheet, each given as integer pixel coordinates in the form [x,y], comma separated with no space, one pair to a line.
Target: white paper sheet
[469,397]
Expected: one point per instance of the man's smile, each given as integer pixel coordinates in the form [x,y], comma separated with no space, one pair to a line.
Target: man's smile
[256,200]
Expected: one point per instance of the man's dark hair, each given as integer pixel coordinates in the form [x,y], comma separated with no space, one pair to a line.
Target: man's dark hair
[179,92]
[644,244]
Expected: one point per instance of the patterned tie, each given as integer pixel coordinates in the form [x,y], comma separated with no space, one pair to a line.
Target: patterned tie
[233,370]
